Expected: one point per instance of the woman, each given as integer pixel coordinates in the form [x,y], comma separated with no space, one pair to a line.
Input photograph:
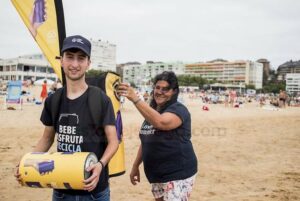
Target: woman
[170,163]
[44,92]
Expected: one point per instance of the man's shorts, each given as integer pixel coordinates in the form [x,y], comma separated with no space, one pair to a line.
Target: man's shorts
[178,190]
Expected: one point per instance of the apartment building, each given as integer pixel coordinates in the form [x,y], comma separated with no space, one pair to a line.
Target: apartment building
[288,67]
[103,56]
[26,67]
[235,73]
[293,83]
[141,74]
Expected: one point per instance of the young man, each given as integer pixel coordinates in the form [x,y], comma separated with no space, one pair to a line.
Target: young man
[74,114]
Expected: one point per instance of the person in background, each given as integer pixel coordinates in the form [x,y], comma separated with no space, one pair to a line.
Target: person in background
[53,88]
[146,96]
[58,84]
[44,92]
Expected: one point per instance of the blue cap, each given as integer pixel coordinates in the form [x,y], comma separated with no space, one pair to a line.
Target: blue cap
[77,42]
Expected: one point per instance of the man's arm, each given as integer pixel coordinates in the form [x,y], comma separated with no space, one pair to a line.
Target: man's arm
[164,121]
[113,144]
[46,140]
[43,145]
[111,149]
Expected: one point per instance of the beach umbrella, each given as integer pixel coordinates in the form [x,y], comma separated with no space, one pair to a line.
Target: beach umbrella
[41,81]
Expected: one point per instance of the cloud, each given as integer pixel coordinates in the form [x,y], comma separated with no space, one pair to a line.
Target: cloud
[172,30]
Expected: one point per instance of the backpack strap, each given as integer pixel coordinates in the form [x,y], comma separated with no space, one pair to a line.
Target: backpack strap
[55,103]
[95,104]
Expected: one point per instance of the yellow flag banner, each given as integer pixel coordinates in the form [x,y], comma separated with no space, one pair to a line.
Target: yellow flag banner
[116,165]
[45,21]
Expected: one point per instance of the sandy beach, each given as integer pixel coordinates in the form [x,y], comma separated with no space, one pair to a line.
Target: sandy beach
[244,154]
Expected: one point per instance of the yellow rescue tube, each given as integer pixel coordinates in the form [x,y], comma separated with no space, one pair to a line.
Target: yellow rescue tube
[60,170]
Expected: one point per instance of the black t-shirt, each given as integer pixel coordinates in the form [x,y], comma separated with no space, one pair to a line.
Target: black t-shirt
[169,155]
[76,132]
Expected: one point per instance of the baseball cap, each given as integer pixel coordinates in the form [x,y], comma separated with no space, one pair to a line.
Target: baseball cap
[77,42]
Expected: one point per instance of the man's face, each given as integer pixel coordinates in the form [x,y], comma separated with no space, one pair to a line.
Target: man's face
[75,64]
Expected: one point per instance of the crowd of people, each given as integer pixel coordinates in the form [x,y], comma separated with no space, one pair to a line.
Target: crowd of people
[233,98]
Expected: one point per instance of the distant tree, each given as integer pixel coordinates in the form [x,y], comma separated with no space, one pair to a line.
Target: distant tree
[201,82]
[250,86]
[188,80]
[214,80]
[274,87]
[184,80]
[94,73]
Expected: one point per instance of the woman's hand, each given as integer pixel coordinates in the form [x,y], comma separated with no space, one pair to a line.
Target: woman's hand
[135,175]
[124,89]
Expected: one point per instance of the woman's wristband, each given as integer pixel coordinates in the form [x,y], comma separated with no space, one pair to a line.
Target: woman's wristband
[136,101]
[101,163]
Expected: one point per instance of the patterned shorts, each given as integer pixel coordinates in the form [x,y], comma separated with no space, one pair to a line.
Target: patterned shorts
[178,190]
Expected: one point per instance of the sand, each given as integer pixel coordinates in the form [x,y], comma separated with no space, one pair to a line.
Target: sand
[243,153]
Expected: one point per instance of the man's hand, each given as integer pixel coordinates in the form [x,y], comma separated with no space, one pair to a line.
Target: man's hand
[92,181]
[17,174]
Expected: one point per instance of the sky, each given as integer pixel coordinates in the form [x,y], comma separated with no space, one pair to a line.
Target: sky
[173,30]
